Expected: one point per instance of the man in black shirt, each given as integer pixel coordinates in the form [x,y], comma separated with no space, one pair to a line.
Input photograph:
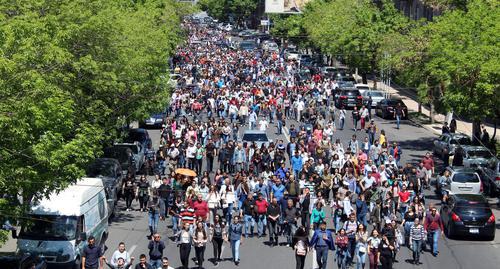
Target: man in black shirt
[248,210]
[165,193]
[91,256]
[273,214]
[210,153]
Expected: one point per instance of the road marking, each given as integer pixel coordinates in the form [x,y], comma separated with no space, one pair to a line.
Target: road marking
[286,133]
[494,244]
[132,250]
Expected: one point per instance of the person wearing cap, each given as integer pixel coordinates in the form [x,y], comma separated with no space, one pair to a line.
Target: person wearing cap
[417,236]
[322,241]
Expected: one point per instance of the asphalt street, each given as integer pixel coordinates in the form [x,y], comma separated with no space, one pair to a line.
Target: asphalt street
[132,228]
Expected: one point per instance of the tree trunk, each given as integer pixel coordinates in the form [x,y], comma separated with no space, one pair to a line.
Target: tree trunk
[419,107]
[476,132]
[364,78]
[431,112]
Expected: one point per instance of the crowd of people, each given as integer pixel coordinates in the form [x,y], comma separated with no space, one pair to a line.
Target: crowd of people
[289,191]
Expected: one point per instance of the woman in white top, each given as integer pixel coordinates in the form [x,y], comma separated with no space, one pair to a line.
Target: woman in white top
[213,200]
[200,239]
[156,183]
[300,245]
[227,196]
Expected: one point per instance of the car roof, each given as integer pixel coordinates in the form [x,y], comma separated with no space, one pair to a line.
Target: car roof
[477,199]
[254,132]
[138,130]
[472,148]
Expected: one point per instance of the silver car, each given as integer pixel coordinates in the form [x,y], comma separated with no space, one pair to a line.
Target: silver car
[259,137]
[446,144]
[474,156]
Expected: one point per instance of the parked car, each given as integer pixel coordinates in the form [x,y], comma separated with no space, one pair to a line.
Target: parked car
[463,180]
[292,55]
[446,144]
[345,81]
[259,137]
[112,175]
[468,215]
[377,96]
[491,179]
[248,45]
[61,223]
[156,120]
[348,98]
[128,154]
[140,135]
[269,45]
[385,108]
[474,156]
[362,87]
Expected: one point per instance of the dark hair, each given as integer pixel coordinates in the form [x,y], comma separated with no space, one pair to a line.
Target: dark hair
[300,235]
[142,256]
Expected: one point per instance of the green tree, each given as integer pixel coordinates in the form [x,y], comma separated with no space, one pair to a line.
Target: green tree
[353,30]
[72,72]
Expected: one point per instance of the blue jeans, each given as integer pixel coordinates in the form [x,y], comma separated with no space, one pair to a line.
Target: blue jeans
[280,127]
[342,255]
[155,263]
[321,256]
[235,248]
[249,221]
[360,256]
[434,236]
[175,224]
[261,223]
[153,221]
[337,222]
[398,119]
[342,122]
[363,218]
[416,247]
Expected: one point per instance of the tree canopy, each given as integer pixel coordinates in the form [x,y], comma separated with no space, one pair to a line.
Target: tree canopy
[71,73]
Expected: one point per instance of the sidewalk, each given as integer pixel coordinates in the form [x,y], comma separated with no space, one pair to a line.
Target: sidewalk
[462,126]
[9,246]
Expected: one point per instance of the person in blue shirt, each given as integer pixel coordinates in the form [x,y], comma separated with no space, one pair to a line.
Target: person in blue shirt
[322,241]
[281,172]
[234,233]
[297,164]
[278,190]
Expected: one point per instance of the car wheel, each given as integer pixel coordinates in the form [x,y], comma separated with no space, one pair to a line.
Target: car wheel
[76,264]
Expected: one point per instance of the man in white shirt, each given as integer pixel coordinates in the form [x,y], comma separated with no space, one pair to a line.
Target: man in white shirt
[120,253]
[263,124]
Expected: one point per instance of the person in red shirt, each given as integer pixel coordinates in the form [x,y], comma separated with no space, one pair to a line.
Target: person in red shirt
[262,206]
[200,207]
[404,200]
[434,227]
[428,163]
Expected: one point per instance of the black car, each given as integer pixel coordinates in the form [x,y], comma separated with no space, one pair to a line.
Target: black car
[491,179]
[385,108]
[348,98]
[468,215]
[112,175]
[154,121]
[140,135]
[23,262]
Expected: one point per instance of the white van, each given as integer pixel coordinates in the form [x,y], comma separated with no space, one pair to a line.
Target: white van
[58,227]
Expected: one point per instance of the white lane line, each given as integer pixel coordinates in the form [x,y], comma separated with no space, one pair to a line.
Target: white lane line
[286,133]
[132,250]
[313,252]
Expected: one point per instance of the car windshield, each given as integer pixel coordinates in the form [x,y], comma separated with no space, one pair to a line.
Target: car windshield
[460,141]
[351,93]
[479,154]
[101,169]
[472,208]
[375,94]
[255,137]
[247,45]
[393,102]
[465,178]
[135,136]
[48,227]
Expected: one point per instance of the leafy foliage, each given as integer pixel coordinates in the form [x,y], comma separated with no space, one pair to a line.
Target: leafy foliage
[71,73]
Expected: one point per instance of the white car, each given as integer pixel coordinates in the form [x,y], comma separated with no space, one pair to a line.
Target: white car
[377,96]
[362,87]
[292,55]
[462,181]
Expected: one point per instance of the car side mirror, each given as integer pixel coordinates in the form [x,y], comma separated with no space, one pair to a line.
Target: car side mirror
[83,236]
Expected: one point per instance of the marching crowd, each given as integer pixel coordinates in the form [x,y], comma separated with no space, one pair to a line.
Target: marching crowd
[287,191]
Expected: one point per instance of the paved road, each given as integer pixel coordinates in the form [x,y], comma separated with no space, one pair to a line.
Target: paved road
[131,227]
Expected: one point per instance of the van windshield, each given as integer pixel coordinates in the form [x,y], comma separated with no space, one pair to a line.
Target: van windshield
[48,227]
